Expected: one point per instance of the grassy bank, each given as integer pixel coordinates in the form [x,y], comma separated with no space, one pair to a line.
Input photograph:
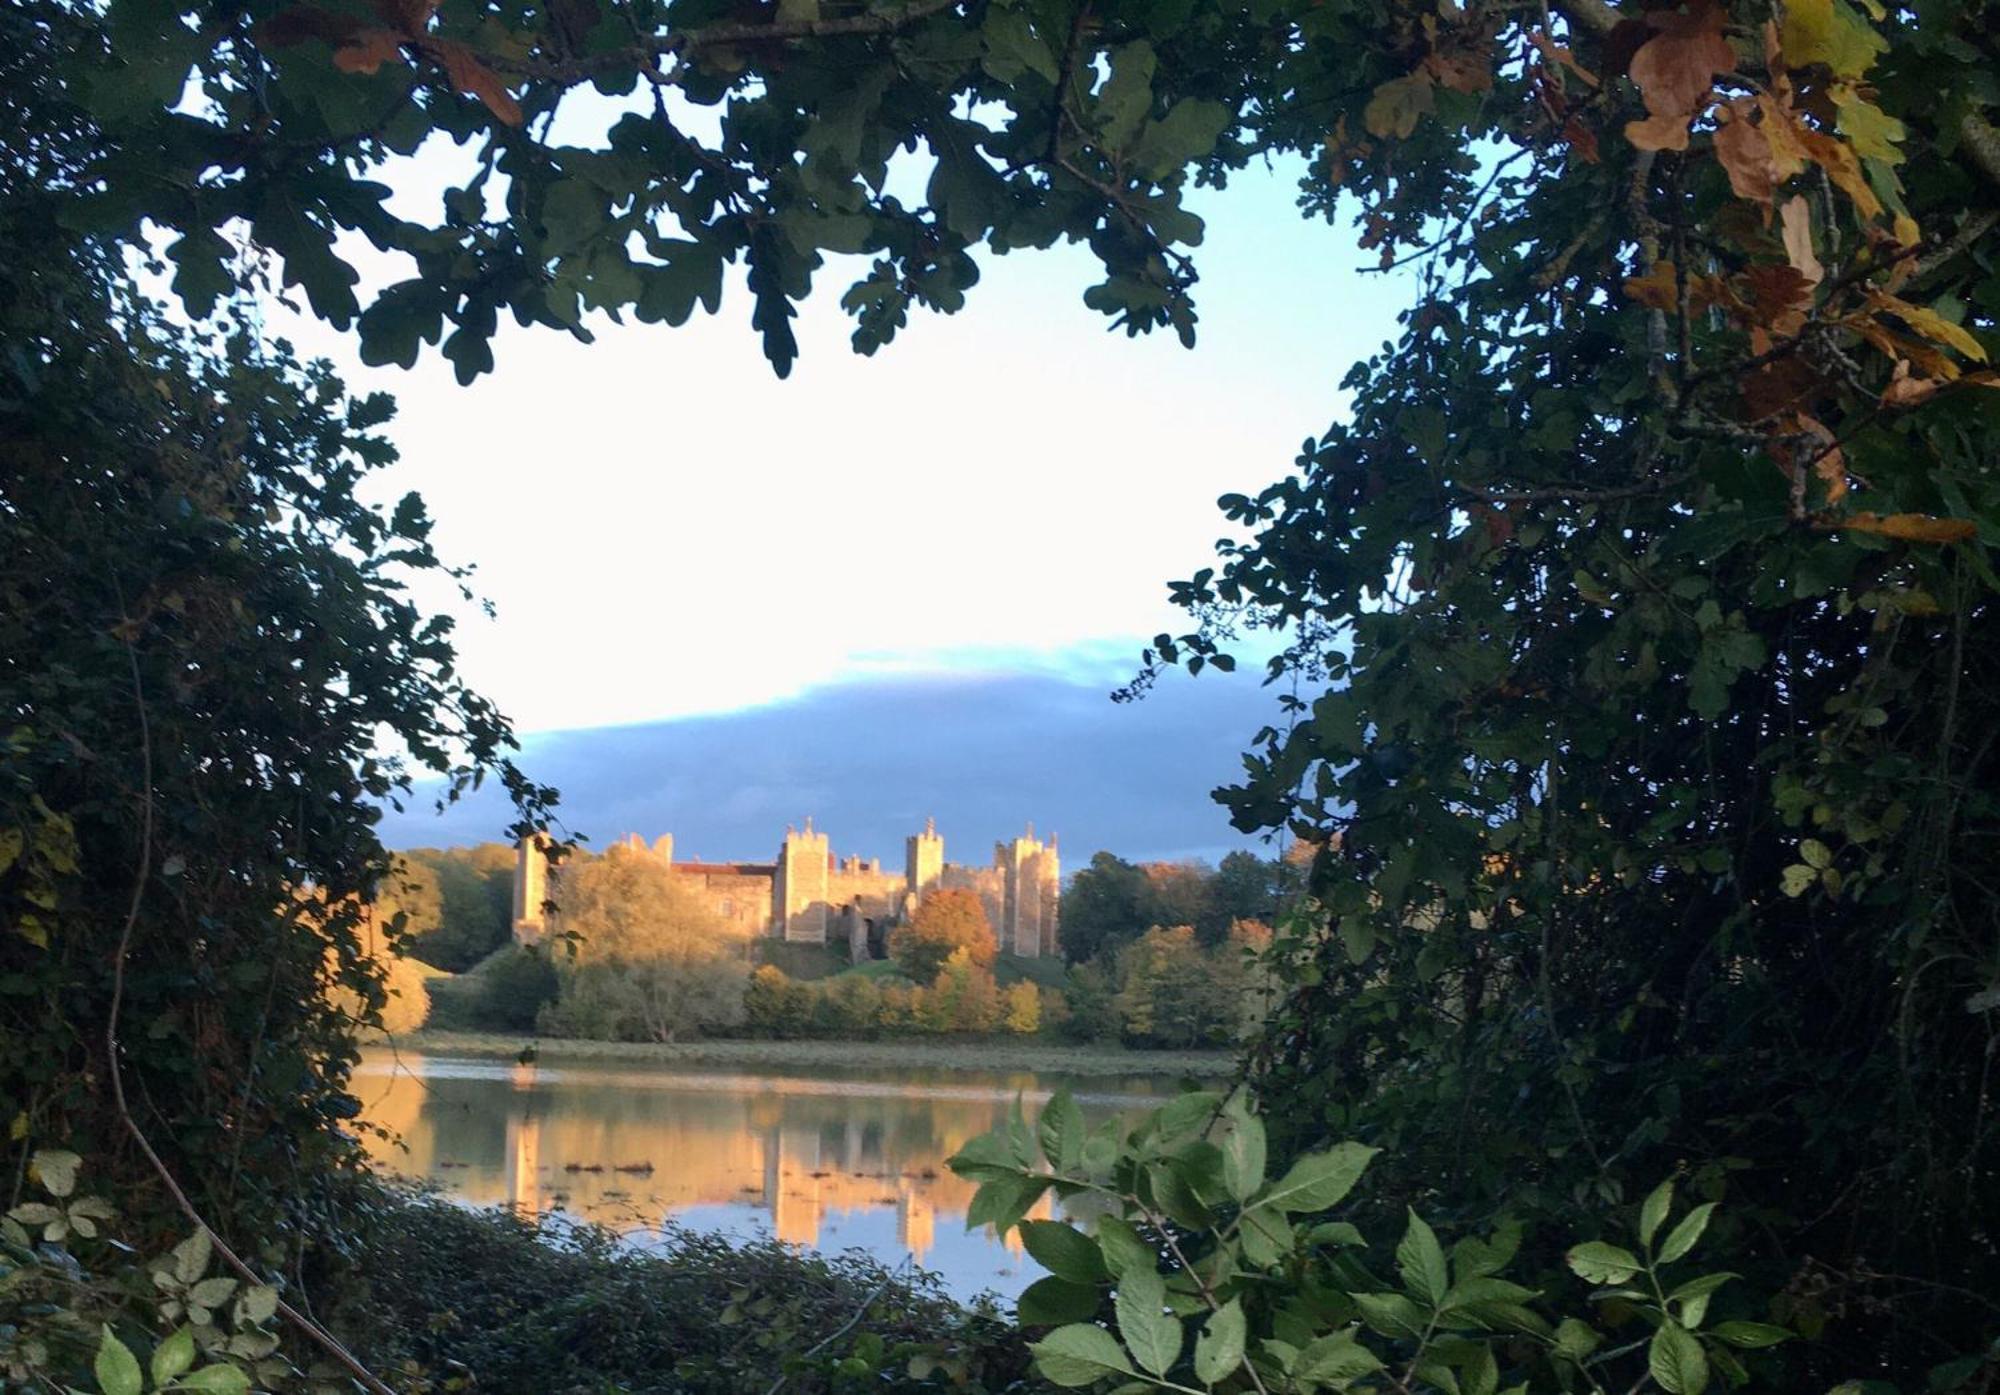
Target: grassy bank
[998,1054]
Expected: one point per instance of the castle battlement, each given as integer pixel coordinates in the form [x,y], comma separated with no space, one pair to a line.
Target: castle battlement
[808,895]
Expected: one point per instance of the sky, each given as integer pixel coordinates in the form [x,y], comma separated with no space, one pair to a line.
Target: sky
[696,566]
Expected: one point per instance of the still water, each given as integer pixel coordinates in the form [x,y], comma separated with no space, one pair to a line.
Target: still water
[832,1160]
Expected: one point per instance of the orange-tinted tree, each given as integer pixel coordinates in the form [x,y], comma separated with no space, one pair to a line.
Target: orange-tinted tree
[948,919]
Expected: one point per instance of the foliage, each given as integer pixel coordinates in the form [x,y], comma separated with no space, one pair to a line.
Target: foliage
[544,1306]
[476,901]
[1173,992]
[405,1002]
[650,959]
[207,643]
[1197,1236]
[75,1303]
[1113,902]
[1021,1008]
[949,921]
[514,986]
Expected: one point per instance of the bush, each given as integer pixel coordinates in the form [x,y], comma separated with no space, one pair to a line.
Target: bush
[547,1307]
[515,985]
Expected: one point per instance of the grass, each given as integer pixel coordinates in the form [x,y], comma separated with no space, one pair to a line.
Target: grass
[988,1054]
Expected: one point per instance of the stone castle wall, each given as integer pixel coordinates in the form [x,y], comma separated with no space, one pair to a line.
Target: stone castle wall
[807,895]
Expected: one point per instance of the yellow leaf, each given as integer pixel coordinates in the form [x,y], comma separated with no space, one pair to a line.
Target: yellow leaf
[1398,105]
[1930,324]
[1912,527]
[1826,31]
[1870,130]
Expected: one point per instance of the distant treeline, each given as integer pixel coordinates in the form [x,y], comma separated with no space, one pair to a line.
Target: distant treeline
[1160,954]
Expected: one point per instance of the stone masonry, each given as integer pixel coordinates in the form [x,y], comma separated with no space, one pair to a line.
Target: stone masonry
[809,896]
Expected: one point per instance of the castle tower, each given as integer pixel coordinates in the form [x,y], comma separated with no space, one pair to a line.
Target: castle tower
[923,861]
[663,848]
[798,891]
[531,889]
[1031,890]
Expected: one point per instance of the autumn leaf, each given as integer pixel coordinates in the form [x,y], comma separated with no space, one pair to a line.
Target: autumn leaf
[1842,167]
[1746,154]
[473,77]
[1675,70]
[1826,31]
[1795,220]
[1929,323]
[1560,56]
[367,50]
[1657,289]
[1398,105]
[1911,527]
[1906,391]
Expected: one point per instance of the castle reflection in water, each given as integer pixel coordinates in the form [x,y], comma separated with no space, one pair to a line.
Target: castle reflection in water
[810,1160]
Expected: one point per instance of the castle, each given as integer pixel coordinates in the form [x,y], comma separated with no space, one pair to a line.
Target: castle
[808,896]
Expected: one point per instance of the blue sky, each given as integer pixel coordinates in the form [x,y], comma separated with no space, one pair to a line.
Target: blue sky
[668,532]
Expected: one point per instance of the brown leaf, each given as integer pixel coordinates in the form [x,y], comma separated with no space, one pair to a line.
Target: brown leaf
[1746,154]
[366,50]
[1841,166]
[1657,289]
[1912,527]
[1905,391]
[471,76]
[1581,139]
[1561,56]
[1675,70]
[1795,220]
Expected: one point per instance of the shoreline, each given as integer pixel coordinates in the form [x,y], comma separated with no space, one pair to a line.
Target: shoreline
[974,1054]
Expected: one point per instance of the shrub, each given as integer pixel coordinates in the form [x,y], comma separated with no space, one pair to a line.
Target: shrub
[515,984]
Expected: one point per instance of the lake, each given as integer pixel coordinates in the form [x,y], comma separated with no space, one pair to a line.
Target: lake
[824,1158]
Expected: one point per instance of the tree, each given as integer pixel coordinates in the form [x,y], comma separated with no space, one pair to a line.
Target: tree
[1021,1009]
[774,1006]
[514,986]
[409,900]
[1105,905]
[1179,893]
[651,959]
[475,913]
[963,997]
[949,919]
[207,646]
[1174,993]
[1244,887]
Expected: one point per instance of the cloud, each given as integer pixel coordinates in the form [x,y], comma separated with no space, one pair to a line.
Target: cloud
[870,759]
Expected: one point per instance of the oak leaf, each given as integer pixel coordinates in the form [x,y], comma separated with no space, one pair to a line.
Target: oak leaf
[1675,70]
[1746,154]
[1912,527]
[1398,105]
[473,77]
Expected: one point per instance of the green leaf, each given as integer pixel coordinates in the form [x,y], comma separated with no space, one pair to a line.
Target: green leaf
[1064,1251]
[1692,1297]
[1152,1334]
[257,1305]
[1600,1263]
[1267,1237]
[1676,1361]
[1797,879]
[1653,1212]
[117,1369]
[1218,1351]
[1127,95]
[1575,1339]
[1318,1181]
[217,1380]
[1243,1152]
[1815,854]
[1063,1132]
[173,1356]
[1048,1302]
[1391,1314]
[1003,1201]
[1336,1360]
[1682,1237]
[1420,1260]
[56,1169]
[212,1293]
[1751,1334]
[1122,1248]
[1078,1355]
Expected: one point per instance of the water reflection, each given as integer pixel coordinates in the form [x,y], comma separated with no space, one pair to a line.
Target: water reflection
[833,1160]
